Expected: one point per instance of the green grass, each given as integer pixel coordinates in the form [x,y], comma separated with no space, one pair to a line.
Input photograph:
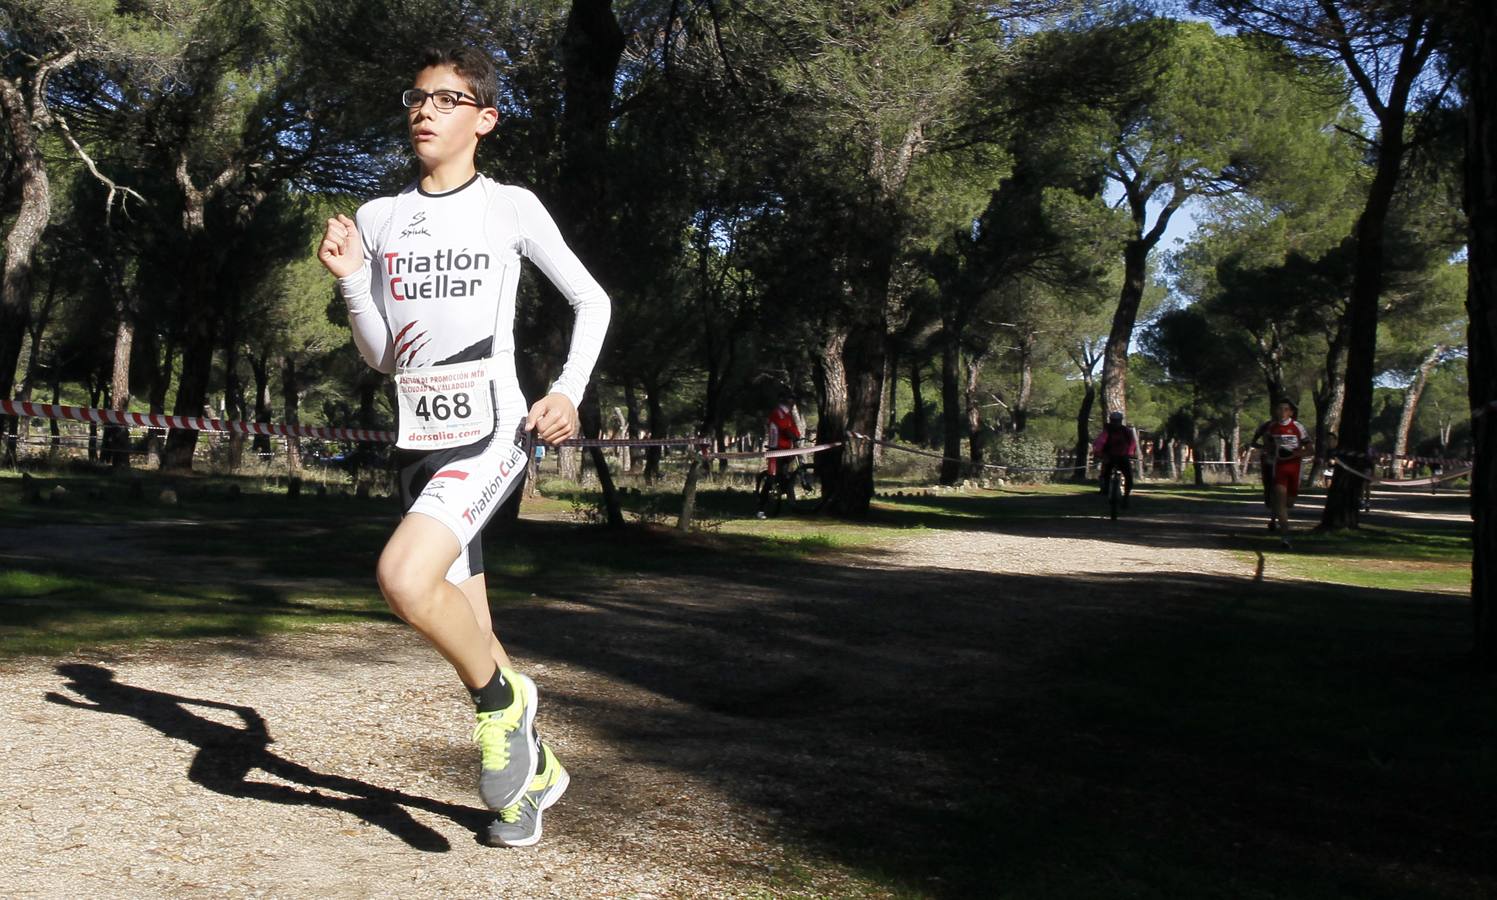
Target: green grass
[214,565]
[53,613]
[1418,555]
[1392,575]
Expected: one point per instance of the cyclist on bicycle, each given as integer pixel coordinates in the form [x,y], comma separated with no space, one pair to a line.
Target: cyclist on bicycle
[1116,446]
[783,432]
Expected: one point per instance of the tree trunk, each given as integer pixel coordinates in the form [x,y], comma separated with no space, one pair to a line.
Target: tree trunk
[1236,444]
[29,170]
[1026,381]
[96,395]
[260,369]
[54,444]
[659,428]
[689,494]
[161,381]
[192,388]
[633,430]
[1481,305]
[1329,394]
[890,418]
[918,434]
[974,410]
[569,464]
[592,426]
[1195,445]
[1115,356]
[291,397]
[591,47]
[887,378]
[116,438]
[864,367]
[1411,405]
[834,417]
[1083,426]
[1343,503]
[621,428]
[951,408]
[233,397]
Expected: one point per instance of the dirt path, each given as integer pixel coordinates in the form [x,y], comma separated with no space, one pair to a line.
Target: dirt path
[726,737]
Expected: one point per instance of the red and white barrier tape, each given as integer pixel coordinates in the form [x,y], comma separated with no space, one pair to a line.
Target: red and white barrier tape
[194,423]
[203,423]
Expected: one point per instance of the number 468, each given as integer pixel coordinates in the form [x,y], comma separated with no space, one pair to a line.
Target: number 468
[440,409]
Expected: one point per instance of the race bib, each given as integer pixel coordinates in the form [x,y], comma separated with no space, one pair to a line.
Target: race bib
[444,406]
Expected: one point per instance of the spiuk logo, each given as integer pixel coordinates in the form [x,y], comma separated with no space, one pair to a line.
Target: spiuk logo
[414,227]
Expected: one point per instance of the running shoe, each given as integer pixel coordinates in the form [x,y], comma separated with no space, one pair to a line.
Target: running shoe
[519,825]
[508,743]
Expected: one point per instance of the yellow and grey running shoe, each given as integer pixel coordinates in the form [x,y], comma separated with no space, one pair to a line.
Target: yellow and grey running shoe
[508,743]
[520,825]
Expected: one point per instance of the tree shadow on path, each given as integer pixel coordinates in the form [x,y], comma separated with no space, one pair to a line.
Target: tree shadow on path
[958,733]
[227,754]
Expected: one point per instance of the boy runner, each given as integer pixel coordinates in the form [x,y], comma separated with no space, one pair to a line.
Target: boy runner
[429,276]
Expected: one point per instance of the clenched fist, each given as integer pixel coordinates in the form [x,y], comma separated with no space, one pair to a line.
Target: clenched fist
[554,419]
[341,250]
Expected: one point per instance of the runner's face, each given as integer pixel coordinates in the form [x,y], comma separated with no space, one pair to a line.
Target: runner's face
[439,137]
[1285,412]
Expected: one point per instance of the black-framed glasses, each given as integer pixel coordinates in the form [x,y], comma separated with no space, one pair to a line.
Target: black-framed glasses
[444,100]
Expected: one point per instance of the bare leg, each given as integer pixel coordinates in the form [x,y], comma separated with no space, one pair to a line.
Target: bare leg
[1281,509]
[476,590]
[412,575]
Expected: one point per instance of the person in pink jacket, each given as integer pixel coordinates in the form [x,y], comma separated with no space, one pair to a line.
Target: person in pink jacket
[1116,445]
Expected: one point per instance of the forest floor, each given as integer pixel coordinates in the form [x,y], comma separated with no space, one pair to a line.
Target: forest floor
[1036,703]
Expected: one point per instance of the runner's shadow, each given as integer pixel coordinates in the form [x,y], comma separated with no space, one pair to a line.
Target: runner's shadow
[227,754]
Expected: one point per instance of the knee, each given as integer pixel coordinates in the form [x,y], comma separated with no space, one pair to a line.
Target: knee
[410,593]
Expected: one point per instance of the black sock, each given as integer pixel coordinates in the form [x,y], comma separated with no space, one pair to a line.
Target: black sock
[495,695]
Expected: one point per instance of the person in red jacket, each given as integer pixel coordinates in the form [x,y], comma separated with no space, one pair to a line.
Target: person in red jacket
[781,433]
[1116,445]
[1284,442]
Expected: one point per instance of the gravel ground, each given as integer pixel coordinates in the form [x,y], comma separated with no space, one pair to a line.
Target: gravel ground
[337,763]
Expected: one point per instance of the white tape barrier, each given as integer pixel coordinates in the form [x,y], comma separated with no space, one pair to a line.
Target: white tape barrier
[929,455]
[1397,483]
[772,454]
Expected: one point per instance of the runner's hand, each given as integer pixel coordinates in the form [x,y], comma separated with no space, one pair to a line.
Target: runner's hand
[341,251]
[554,419]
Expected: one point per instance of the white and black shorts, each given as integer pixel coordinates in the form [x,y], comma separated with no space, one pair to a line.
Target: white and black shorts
[461,487]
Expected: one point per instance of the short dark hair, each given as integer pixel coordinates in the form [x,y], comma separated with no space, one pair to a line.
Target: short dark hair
[470,63]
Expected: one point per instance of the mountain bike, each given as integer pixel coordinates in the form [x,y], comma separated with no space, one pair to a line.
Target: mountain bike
[773,492]
[1117,497]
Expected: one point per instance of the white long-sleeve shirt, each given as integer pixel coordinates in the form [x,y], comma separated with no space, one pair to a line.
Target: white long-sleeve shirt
[440,276]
